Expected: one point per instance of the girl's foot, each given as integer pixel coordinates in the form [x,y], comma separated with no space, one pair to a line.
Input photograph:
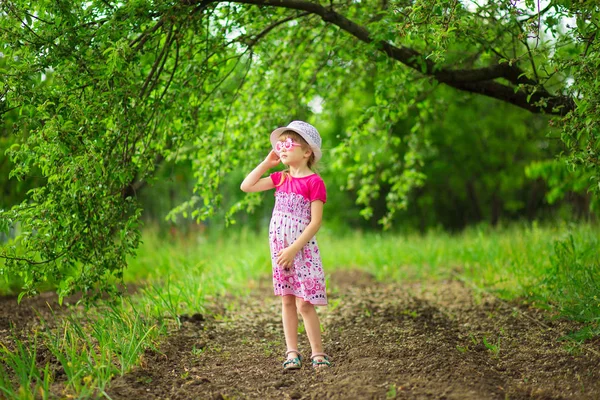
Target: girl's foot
[320,360]
[294,360]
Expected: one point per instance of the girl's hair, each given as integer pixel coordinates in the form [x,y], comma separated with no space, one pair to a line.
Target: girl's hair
[311,164]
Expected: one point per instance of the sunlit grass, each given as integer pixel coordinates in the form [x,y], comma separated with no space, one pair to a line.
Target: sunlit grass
[554,267]
[179,274]
[507,259]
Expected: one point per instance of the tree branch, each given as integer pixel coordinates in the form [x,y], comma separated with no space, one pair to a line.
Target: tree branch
[173,71]
[589,40]
[539,14]
[480,81]
[162,57]
[23,23]
[146,35]
[38,18]
[268,29]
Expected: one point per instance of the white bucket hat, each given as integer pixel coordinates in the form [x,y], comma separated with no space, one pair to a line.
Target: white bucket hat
[304,129]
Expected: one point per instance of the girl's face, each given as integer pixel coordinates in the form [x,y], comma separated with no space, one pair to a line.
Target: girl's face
[291,152]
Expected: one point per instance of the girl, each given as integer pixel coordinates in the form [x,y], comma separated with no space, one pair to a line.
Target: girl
[298,275]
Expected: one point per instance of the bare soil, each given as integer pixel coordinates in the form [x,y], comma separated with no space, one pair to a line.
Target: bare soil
[404,341]
[17,319]
[386,340]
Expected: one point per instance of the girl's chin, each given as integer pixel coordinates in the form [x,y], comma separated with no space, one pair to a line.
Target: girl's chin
[289,163]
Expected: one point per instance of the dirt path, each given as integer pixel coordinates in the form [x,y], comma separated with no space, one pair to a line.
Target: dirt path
[386,341]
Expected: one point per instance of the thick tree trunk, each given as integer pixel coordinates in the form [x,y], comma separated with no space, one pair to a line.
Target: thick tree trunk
[496,209]
[472,195]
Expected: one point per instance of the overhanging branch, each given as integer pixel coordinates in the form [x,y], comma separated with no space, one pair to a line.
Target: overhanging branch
[532,96]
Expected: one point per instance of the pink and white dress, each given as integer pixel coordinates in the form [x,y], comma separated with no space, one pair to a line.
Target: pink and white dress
[291,215]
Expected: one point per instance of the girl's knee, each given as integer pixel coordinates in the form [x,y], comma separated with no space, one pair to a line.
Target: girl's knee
[288,301]
[304,306]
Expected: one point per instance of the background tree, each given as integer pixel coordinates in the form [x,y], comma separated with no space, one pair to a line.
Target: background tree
[99,93]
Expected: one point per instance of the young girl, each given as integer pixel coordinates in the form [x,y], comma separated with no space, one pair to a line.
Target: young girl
[298,275]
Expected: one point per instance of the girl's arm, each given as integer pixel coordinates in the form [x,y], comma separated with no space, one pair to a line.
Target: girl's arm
[253,182]
[285,257]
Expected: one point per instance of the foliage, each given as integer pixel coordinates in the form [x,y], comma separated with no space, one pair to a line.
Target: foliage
[562,181]
[98,93]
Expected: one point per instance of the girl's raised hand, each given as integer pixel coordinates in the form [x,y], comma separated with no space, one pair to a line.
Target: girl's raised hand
[272,159]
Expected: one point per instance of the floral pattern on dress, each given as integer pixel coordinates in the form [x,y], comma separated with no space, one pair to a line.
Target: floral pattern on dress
[306,278]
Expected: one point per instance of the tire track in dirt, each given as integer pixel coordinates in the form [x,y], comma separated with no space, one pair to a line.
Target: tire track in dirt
[405,341]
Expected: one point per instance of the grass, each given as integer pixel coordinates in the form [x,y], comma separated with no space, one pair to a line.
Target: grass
[90,346]
[28,379]
[555,267]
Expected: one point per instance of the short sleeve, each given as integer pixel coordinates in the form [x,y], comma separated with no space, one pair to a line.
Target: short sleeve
[276,178]
[317,190]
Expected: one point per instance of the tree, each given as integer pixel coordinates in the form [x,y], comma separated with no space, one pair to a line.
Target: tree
[98,93]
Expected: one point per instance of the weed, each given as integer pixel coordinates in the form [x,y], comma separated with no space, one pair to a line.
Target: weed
[494,348]
[473,339]
[412,314]
[197,351]
[146,380]
[270,347]
[392,392]
[334,304]
[301,328]
[221,317]
[462,349]
[573,348]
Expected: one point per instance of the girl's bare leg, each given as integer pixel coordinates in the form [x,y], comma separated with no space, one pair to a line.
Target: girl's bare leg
[312,325]
[289,314]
